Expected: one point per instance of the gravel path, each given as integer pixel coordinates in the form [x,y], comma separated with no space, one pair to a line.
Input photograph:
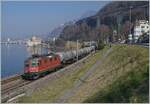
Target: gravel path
[69,92]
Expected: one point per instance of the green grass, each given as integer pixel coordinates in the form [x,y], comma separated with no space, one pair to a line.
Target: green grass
[118,63]
[50,91]
[133,88]
[132,84]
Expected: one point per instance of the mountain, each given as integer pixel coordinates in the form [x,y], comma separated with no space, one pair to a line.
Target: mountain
[57,31]
[88,14]
[112,22]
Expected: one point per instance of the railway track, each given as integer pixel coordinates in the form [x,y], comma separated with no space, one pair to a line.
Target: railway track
[10,79]
[12,87]
[15,85]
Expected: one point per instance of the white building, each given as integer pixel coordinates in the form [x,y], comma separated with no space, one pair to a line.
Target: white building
[141,27]
[8,40]
[130,38]
[34,41]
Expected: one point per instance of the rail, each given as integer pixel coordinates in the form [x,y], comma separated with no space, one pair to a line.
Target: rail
[12,86]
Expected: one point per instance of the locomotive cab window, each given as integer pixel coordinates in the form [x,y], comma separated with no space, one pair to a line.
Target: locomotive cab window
[34,63]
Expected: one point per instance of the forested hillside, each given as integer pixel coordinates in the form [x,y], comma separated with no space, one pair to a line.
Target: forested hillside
[110,23]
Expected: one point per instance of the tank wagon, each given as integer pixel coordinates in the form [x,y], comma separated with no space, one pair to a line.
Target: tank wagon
[40,65]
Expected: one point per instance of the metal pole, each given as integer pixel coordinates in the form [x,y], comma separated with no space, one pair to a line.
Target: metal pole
[54,43]
[130,26]
[77,50]
[69,47]
[90,43]
[48,47]
[130,19]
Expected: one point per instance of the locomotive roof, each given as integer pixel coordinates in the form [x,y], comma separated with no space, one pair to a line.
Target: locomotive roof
[39,56]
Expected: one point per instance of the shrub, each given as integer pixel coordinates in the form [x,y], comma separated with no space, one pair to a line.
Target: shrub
[101,45]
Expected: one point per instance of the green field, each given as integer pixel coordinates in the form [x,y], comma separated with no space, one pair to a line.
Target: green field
[121,77]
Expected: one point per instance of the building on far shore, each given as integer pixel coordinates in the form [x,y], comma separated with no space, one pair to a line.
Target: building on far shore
[141,27]
[34,41]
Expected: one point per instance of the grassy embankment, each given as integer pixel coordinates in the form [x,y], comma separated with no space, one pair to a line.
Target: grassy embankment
[132,86]
[121,77]
[50,91]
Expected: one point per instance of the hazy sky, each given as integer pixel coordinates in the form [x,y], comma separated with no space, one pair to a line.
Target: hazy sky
[23,19]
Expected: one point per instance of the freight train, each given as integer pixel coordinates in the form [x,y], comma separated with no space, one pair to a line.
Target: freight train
[40,65]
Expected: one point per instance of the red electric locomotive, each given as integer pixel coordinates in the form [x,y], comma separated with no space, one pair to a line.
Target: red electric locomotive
[40,65]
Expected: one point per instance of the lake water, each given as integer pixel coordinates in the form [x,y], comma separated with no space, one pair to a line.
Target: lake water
[13,57]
